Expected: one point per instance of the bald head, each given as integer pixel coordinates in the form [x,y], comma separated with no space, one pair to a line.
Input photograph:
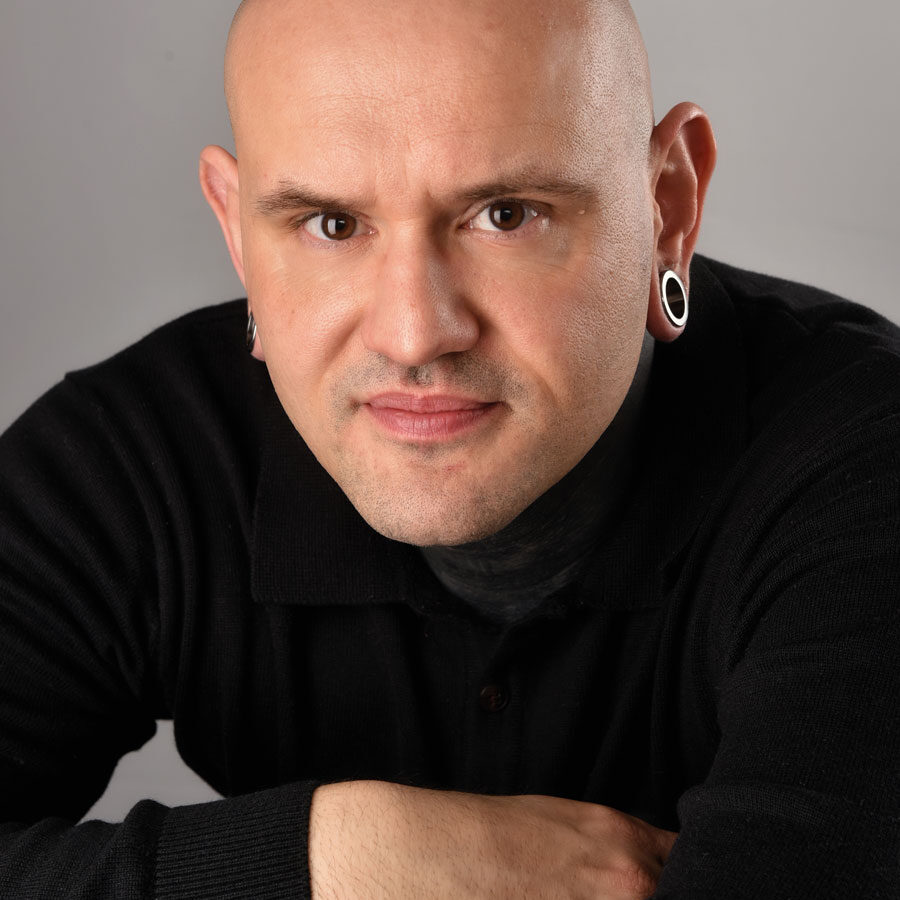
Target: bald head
[602,35]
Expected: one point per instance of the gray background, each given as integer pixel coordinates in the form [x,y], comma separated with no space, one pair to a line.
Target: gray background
[105,105]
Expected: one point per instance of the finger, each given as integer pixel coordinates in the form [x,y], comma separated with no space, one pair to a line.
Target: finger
[655,840]
[664,841]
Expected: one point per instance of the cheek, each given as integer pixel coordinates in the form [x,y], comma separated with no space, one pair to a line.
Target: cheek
[289,295]
[610,311]
[305,318]
[576,328]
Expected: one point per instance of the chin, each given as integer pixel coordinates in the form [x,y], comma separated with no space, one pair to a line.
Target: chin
[434,525]
[437,506]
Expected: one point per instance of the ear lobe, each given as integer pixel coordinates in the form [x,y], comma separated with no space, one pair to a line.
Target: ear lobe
[220,186]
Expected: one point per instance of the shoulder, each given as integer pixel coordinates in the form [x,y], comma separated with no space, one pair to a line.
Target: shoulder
[795,336]
[820,375]
[206,335]
[183,374]
[810,308]
[813,364]
[186,403]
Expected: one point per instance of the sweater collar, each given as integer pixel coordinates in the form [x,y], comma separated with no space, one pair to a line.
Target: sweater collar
[311,547]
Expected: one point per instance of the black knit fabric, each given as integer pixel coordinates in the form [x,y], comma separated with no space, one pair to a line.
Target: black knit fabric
[728,667]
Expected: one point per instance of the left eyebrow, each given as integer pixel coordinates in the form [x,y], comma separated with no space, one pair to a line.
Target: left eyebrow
[530,184]
[291,195]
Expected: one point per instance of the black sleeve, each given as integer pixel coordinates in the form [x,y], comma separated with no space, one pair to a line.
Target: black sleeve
[84,538]
[803,798]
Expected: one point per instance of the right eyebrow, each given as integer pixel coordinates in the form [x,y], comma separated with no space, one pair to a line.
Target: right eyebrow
[290,195]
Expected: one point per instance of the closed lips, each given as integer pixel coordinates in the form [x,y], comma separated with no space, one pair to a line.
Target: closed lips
[424,404]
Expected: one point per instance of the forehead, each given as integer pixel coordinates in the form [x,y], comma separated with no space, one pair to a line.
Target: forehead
[360,86]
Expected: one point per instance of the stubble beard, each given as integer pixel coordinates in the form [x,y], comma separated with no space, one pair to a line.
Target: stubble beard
[426,500]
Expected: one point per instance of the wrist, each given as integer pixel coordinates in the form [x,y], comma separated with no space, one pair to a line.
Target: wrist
[356,836]
[375,840]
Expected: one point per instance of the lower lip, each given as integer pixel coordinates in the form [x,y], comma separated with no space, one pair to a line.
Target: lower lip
[431,428]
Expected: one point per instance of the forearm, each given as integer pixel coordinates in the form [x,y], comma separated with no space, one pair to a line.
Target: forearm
[363,840]
[374,841]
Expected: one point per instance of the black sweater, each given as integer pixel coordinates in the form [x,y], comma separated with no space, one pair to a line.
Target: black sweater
[728,668]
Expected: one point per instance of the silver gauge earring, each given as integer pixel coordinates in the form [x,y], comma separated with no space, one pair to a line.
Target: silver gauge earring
[674,299]
[251,333]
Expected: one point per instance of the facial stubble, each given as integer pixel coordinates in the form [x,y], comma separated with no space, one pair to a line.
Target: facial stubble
[441,501]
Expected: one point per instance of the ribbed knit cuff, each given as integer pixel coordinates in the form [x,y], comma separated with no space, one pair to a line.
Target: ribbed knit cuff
[255,846]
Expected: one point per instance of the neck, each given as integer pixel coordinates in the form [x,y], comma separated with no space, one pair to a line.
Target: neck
[547,547]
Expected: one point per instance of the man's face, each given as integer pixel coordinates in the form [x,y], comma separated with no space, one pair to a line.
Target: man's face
[447,235]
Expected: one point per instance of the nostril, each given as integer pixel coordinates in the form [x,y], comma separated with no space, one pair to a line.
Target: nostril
[413,328]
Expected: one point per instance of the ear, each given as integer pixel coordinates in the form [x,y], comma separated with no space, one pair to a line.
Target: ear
[219,182]
[682,159]
[220,185]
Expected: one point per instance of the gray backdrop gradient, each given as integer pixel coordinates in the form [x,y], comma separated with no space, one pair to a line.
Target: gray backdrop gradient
[105,105]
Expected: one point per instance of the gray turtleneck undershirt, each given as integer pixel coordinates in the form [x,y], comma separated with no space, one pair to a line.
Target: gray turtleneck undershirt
[547,547]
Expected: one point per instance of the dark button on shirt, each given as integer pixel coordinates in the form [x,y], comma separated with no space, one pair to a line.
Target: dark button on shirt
[493,698]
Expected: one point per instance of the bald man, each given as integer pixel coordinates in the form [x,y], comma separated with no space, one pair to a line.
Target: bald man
[525,555]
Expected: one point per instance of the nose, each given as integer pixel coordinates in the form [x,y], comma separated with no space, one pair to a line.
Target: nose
[416,312]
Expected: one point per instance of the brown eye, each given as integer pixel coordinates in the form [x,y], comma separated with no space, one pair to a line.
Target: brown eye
[331,226]
[504,216]
[507,216]
[338,226]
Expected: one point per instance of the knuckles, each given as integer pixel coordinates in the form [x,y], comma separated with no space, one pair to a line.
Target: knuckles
[632,881]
